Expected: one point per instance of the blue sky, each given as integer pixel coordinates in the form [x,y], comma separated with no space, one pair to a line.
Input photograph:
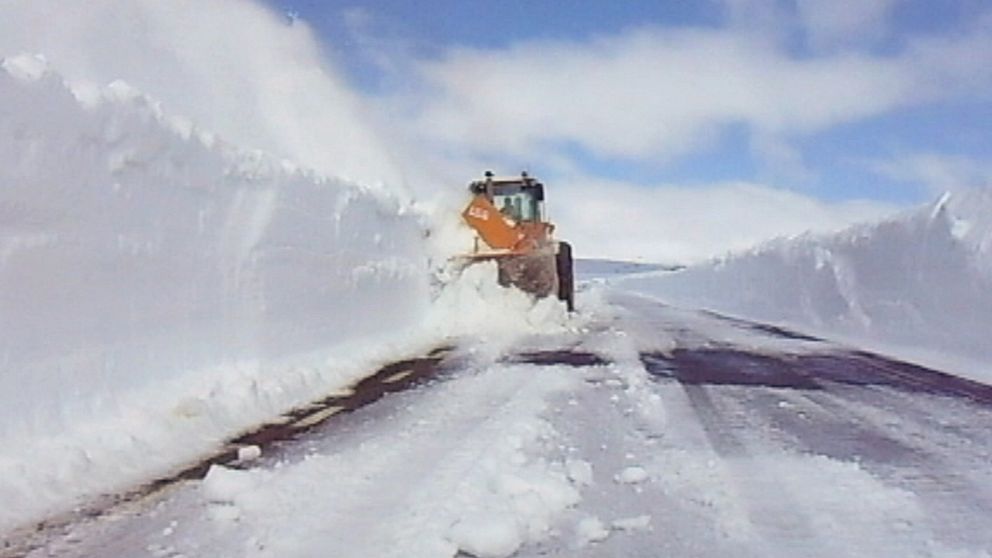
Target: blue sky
[902,152]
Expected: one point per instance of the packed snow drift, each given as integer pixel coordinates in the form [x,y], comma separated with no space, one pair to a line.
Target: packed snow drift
[160,288]
[921,280]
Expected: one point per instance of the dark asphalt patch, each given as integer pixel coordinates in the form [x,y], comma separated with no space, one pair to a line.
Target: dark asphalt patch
[925,379]
[724,366]
[559,357]
[391,378]
[834,432]
[819,371]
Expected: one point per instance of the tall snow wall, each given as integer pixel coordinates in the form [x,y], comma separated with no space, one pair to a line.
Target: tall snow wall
[138,254]
[921,280]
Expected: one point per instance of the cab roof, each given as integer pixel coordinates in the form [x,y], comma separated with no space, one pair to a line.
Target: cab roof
[523,181]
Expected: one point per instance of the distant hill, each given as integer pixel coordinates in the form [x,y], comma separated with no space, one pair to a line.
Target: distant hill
[598,269]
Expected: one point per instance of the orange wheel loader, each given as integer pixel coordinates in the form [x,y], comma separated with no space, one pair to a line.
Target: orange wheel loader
[508,217]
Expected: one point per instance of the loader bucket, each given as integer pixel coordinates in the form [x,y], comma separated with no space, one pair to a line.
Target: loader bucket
[534,273]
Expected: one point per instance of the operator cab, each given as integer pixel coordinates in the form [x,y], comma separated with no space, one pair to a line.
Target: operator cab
[519,198]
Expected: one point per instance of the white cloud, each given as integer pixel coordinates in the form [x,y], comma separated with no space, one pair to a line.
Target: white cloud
[958,64]
[939,173]
[648,94]
[655,93]
[681,224]
[232,66]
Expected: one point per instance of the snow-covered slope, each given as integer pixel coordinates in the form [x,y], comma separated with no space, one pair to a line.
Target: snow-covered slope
[921,280]
[591,269]
[160,289]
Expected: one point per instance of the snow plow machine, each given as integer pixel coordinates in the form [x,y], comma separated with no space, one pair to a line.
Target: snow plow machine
[511,228]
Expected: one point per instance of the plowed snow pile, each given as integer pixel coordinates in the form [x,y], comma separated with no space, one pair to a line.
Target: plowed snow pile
[918,283]
[160,289]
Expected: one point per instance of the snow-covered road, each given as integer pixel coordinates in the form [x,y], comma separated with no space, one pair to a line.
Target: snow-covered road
[646,431]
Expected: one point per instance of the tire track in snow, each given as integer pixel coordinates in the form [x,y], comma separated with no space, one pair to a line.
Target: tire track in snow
[837,415]
[774,514]
[904,452]
[736,407]
[434,450]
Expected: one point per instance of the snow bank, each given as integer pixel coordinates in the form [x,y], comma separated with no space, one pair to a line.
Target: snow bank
[922,279]
[160,289]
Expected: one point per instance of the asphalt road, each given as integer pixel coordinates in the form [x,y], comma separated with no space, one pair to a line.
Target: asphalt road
[754,441]
[814,449]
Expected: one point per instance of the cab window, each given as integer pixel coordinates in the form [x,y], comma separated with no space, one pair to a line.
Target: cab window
[519,206]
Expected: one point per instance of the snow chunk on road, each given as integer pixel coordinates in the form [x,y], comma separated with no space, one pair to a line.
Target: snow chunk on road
[25,67]
[632,475]
[488,536]
[590,530]
[223,485]
[579,471]
[632,523]
[249,453]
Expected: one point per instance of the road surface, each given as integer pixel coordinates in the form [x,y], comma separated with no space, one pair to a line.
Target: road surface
[646,431]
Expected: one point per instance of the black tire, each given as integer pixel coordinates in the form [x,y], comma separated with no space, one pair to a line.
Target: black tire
[566,278]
